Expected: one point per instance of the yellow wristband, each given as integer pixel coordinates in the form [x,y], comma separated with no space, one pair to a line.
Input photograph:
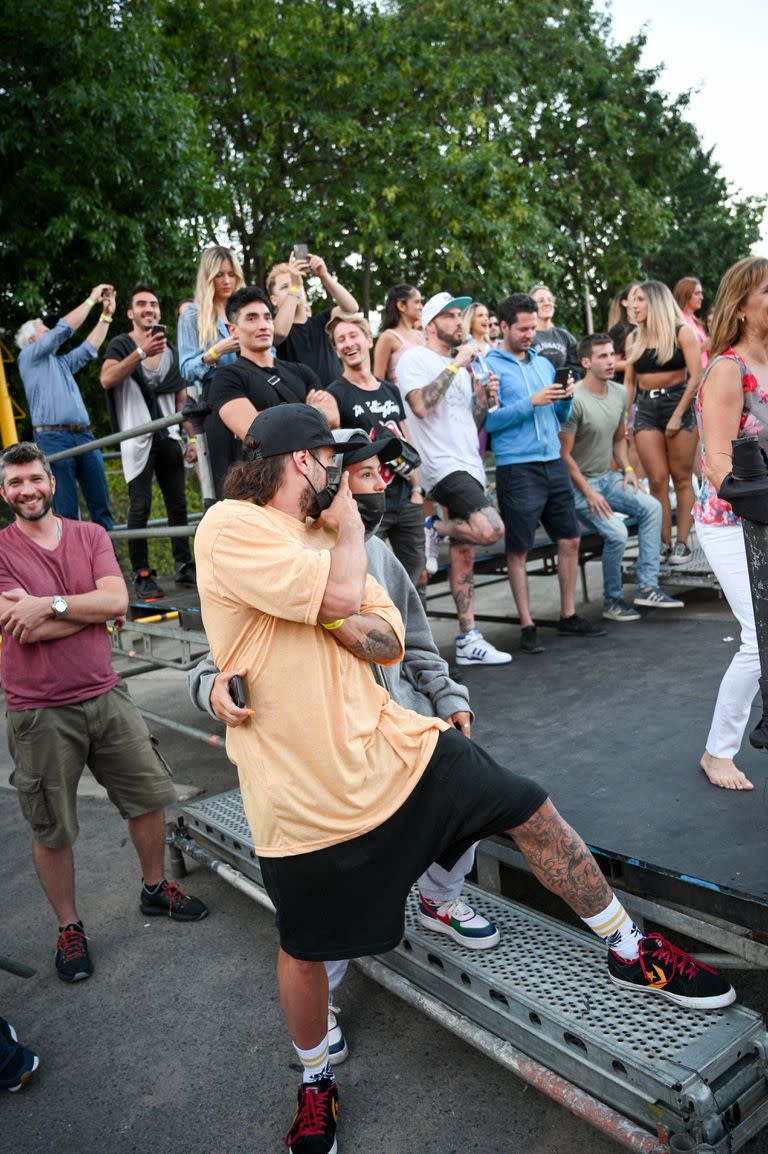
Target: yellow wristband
[212,354]
[295,289]
[452,369]
[628,469]
[107,320]
[333,624]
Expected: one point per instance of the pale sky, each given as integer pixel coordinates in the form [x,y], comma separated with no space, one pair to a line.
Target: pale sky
[718,49]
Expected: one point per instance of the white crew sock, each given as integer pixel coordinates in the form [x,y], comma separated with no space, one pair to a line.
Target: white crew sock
[618,931]
[315,1061]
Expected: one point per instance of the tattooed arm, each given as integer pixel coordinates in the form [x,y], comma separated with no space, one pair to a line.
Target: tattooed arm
[425,400]
[370,638]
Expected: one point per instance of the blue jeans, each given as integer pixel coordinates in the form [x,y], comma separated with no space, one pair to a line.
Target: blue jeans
[87,469]
[634,503]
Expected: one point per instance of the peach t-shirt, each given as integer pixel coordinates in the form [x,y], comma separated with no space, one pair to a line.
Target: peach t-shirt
[327,755]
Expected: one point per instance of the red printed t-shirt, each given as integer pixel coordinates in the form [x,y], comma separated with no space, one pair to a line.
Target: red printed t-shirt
[72,668]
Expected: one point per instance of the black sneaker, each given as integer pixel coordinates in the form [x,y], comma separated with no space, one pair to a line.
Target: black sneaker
[314,1127]
[662,968]
[170,900]
[145,585]
[73,962]
[576,626]
[529,640]
[186,575]
[7,1031]
[18,1069]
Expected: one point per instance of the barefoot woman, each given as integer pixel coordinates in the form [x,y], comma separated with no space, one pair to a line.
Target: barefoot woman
[732,403]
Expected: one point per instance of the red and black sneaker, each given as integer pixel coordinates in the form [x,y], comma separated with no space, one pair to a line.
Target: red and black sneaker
[169,900]
[662,968]
[147,589]
[314,1127]
[73,962]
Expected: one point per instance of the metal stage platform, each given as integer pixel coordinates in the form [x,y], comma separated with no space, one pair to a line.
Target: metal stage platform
[695,1080]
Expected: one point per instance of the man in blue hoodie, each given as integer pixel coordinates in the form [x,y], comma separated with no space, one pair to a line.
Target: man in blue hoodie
[532,481]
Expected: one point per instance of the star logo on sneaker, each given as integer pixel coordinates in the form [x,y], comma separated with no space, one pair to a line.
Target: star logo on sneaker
[662,978]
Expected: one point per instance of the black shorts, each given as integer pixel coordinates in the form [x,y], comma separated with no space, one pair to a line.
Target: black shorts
[532,492]
[654,412]
[460,495]
[348,901]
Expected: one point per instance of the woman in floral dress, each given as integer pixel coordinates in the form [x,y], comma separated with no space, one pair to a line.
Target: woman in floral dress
[732,403]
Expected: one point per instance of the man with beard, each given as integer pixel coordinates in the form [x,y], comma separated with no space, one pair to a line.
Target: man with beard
[447,413]
[348,795]
[59,584]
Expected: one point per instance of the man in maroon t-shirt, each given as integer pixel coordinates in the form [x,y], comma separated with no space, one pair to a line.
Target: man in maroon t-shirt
[59,584]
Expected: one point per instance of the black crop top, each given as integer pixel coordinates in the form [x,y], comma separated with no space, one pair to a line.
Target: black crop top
[647,363]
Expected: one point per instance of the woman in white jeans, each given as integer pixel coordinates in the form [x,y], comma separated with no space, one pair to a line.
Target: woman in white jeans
[732,403]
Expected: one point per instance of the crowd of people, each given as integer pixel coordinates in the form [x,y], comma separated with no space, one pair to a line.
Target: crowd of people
[322,444]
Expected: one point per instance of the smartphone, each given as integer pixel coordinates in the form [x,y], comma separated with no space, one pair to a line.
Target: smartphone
[561,377]
[301,251]
[237,690]
[157,329]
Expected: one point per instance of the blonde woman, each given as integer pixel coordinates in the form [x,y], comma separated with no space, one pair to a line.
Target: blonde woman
[664,366]
[732,404]
[476,324]
[204,345]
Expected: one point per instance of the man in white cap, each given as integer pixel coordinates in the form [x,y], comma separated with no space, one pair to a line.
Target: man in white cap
[449,410]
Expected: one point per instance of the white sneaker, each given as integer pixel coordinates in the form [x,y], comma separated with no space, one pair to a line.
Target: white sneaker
[432,541]
[680,555]
[460,921]
[473,649]
[338,1050]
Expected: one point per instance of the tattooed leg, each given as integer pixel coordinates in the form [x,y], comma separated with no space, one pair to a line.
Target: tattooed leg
[462,585]
[561,861]
[482,527]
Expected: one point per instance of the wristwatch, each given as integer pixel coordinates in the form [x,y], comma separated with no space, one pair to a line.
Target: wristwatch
[60,607]
[418,489]
[142,353]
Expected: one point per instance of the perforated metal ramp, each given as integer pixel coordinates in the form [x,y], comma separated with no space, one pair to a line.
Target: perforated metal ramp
[546,990]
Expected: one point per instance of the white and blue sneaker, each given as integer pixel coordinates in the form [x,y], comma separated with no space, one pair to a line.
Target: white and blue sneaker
[473,649]
[460,922]
[338,1050]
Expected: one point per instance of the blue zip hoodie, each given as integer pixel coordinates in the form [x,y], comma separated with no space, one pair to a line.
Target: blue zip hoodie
[521,431]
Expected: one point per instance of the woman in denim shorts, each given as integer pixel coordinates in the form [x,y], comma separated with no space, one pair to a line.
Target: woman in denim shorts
[662,377]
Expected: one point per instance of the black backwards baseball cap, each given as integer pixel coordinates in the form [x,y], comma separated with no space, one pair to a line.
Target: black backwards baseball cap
[355,445]
[287,429]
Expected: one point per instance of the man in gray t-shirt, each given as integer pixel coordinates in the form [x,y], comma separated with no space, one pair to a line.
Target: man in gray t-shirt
[592,438]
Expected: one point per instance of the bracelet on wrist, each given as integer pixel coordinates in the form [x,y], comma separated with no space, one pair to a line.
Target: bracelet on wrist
[628,469]
[212,353]
[418,489]
[452,369]
[191,440]
[105,319]
[90,302]
[295,289]
[333,624]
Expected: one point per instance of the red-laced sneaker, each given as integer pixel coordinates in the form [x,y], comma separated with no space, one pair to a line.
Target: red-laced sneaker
[314,1127]
[662,968]
[170,901]
[73,963]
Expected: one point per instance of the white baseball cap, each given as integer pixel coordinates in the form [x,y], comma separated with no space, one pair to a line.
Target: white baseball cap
[440,303]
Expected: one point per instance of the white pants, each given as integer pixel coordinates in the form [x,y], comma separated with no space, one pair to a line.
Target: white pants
[724,549]
[435,883]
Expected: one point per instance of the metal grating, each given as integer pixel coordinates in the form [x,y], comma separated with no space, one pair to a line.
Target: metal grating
[545,989]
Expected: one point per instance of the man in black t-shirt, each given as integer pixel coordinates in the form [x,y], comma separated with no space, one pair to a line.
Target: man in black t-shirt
[257,380]
[306,340]
[368,403]
[141,376]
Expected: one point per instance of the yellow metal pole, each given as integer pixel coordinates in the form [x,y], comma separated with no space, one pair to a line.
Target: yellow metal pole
[8,434]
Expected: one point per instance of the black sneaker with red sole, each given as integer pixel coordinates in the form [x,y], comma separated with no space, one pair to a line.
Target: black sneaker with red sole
[662,968]
[314,1127]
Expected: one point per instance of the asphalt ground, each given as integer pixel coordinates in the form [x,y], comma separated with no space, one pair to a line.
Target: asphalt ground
[177,1041]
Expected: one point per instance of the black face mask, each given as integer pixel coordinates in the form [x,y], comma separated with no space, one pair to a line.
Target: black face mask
[323,497]
[371,506]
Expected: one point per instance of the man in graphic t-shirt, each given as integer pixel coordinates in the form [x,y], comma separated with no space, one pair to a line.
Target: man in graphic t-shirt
[257,380]
[368,403]
[59,584]
[141,376]
[447,411]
